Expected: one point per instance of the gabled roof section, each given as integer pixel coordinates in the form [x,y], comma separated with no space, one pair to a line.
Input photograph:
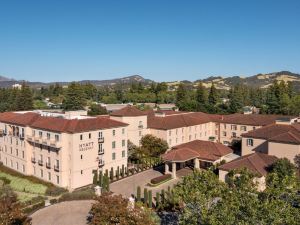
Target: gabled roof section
[277,133]
[21,119]
[128,111]
[177,120]
[60,125]
[257,163]
[205,150]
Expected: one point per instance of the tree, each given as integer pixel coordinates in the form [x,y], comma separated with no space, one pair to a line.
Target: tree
[138,194]
[75,97]
[10,211]
[213,95]
[24,98]
[181,93]
[297,161]
[96,109]
[114,209]
[153,146]
[236,102]
[201,97]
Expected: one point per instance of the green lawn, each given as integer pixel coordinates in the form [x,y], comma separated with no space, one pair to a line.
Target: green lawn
[23,185]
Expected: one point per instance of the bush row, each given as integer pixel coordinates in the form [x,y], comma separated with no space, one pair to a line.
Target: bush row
[161,179]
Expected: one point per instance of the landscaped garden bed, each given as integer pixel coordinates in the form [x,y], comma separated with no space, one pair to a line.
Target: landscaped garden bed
[160,180]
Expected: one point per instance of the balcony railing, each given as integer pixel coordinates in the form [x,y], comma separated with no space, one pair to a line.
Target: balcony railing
[101,152]
[40,162]
[33,160]
[101,139]
[101,162]
[55,143]
[48,165]
[56,168]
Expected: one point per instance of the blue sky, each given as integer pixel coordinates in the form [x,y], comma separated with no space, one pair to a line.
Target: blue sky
[158,39]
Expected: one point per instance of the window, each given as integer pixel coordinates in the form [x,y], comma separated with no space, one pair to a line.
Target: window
[176,131]
[113,144]
[233,127]
[224,133]
[23,169]
[81,171]
[81,137]
[123,154]
[170,132]
[42,173]
[254,128]
[56,137]
[114,132]
[140,133]
[90,135]
[57,179]
[243,128]
[113,156]
[123,130]
[40,133]
[23,154]
[123,143]
[100,134]
[80,156]
[233,134]
[48,136]
[49,176]
[17,152]
[249,142]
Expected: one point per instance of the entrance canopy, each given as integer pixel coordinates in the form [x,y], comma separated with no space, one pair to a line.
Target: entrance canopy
[180,155]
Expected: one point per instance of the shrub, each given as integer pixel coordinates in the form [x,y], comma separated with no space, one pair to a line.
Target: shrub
[53,201]
[33,208]
[78,195]
[55,191]
[5,180]
[160,179]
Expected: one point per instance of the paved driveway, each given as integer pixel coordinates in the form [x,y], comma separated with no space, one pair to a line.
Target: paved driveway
[128,186]
[65,213]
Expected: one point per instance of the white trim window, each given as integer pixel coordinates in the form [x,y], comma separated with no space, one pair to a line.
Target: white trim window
[249,142]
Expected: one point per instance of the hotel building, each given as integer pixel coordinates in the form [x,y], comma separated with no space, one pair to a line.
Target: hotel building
[60,148]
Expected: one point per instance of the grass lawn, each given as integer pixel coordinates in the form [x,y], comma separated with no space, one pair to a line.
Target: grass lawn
[23,185]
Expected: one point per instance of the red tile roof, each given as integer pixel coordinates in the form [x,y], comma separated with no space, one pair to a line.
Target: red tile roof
[129,111]
[57,124]
[256,163]
[289,134]
[205,150]
[177,120]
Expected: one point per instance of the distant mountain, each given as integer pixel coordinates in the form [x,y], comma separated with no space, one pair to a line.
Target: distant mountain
[259,80]
[6,82]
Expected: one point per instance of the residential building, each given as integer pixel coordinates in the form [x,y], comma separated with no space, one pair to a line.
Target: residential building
[63,149]
[257,163]
[281,139]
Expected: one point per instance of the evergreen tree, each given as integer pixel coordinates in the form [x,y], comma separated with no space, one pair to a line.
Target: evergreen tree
[75,97]
[213,95]
[236,99]
[24,98]
[201,97]
[181,93]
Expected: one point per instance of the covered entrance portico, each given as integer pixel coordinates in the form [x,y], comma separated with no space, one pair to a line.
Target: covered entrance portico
[179,159]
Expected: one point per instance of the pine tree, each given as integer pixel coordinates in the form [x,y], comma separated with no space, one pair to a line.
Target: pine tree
[75,97]
[181,93]
[24,98]
[101,179]
[157,200]
[201,97]
[145,196]
[213,95]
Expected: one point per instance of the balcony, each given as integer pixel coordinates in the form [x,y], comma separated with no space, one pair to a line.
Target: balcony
[100,151]
[40,162]
[55,144]
[101,139]
[101,163]
[33,160]
[56,168]
[48,165]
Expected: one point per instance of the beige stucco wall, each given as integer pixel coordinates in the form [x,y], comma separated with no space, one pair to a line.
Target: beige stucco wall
[258,144]
[136,129]
[226,131]
[282,150]
[76,158]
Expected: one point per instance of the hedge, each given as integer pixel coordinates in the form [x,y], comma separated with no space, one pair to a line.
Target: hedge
[161,179]
[86,194]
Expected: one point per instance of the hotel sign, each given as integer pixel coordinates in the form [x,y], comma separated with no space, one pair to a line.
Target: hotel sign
[86,146]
